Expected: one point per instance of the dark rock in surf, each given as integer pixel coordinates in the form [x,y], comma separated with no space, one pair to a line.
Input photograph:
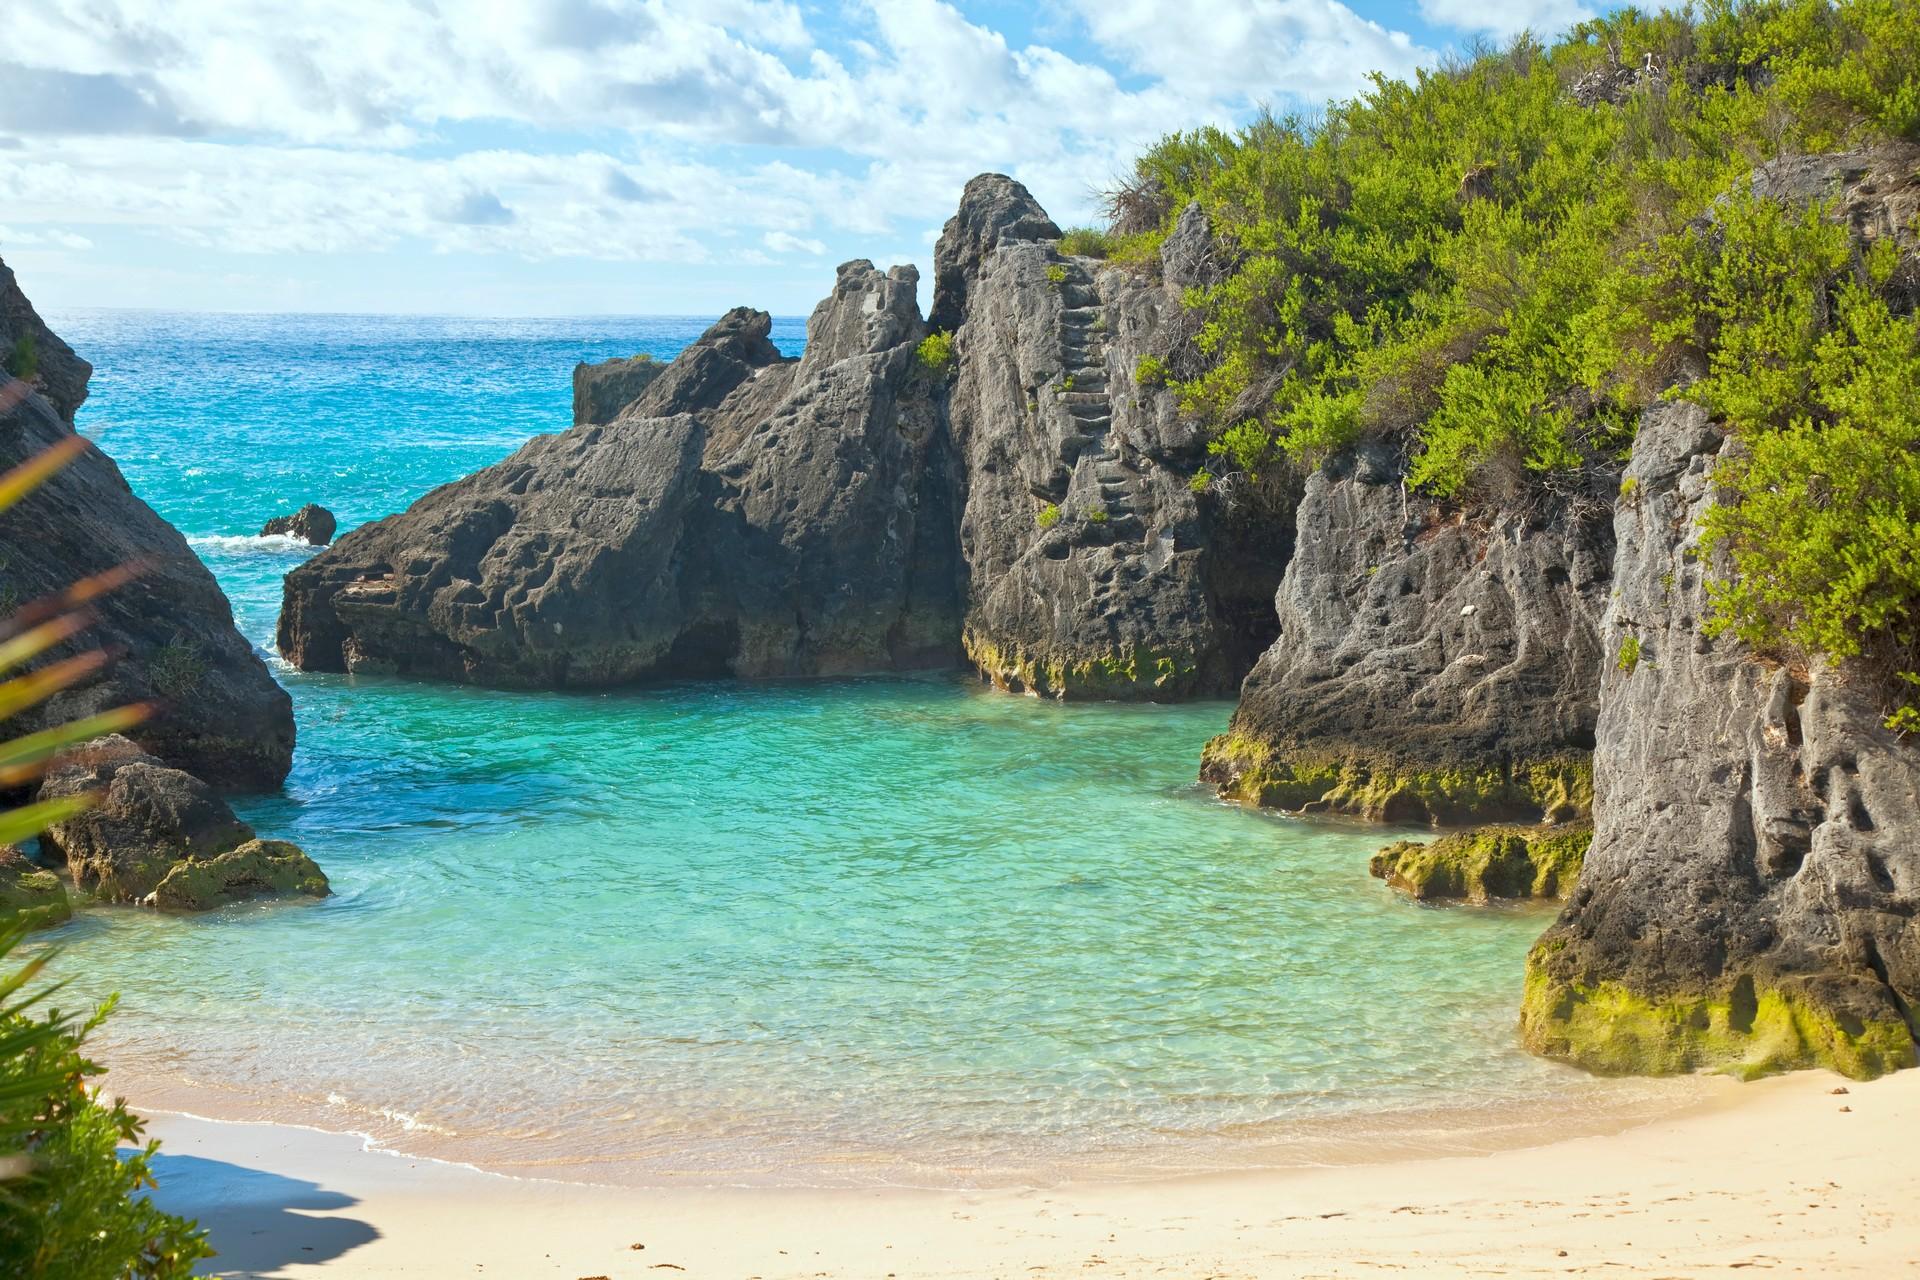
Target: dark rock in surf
[312,524]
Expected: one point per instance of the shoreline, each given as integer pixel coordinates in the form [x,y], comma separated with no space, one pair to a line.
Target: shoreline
[1769,1175]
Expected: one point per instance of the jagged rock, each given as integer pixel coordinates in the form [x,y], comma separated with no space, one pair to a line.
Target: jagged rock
[313,523]
[219,715]
[746,514]
[146,818]
[1430,668]
[256,869]
[602,391]
[30,894]
[58,374]
[1750,900]
[1487,863]
[1087,550]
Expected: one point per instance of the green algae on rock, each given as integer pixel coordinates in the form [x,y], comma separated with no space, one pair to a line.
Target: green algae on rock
[1246,769]
[1741,1026]
[1487,863]
[30,893]
[1141,672]
[258,868]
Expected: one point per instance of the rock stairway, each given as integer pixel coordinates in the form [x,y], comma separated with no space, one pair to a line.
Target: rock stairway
[1089,404]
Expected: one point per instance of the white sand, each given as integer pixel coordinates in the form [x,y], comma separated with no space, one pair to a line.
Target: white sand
[1779,1180]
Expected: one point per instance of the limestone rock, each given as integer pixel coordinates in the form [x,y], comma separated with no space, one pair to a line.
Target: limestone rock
[602,391]
[147,817]
[219,714]
[256,869]
[312,523]
[746,515]
[1429,668]
[1750,900]
[57,373]
[29,893]
[1094,569]
[1487,863]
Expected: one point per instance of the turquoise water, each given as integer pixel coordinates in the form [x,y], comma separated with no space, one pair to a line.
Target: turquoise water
[870,930]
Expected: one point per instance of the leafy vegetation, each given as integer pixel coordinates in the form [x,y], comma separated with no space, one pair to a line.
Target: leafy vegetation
[1056,275]
[1151,371]
[1086,242]
[1048,516]
[1501,264]
[22,359]
[936,354]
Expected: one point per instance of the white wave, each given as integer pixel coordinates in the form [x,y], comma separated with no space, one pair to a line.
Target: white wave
[249,543]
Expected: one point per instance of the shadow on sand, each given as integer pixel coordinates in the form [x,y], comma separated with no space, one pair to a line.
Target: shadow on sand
[260,1222]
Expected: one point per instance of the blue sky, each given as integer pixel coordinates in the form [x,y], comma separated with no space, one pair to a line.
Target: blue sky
[553,157]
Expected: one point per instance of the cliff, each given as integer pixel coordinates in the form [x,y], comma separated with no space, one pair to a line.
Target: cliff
[219,713]
[871,506]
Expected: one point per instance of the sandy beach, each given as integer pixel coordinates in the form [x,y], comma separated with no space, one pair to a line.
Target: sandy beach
[1785,1176]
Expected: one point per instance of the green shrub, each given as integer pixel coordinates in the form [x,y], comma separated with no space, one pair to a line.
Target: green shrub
[23,358]
[1629,659]
[1151,371]
[1086,242]
[1057,274]
[1048,516]
[1097,514]
[936,353]
[1200,480]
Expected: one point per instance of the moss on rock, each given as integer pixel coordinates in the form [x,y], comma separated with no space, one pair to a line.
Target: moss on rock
[1244,768]
[1488,863]
[30,893]
[258,868]
[1139,672]
[1744,1026]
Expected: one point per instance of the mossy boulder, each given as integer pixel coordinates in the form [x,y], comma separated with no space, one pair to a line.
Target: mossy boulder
[1488,863]
[30,893]
[256,869]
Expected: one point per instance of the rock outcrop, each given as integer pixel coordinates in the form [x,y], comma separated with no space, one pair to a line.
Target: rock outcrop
[1750,901]
[1487,863]
[1090,558]
[30,894]
[218,712]
[154,829]
[36,354]
[747,515]
[256,869]
[602,391]
[1430,667]
[312,524]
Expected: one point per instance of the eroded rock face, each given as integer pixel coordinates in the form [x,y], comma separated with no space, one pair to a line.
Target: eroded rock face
[602,391]
[1751,895]
[1429,668]
[1087,551]
[746,515]
[58,374]
[30,894]
[256,869]
[312,523]
[146,818]
[219,714]
[1487,863]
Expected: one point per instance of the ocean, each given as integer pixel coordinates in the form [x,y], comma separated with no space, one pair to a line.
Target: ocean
[875,931]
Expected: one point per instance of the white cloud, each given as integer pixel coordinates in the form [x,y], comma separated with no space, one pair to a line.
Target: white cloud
[1542,17]
[641,130]
[48,237]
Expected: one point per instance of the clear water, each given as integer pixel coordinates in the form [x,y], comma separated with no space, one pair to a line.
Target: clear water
[886,929]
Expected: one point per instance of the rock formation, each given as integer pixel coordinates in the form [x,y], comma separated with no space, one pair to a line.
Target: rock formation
[1430,667]
[601,392]
[1751,896]
[1487,863]
[152,826]
[860,509]
[312,523]
[747,515]
[218,712]
[55,371]
[30,894]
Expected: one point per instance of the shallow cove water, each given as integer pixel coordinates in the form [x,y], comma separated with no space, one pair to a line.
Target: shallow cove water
[883,930]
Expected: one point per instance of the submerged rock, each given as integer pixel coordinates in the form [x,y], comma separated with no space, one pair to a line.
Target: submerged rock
[219,714]
[1430,667]
[258,868]
[602,391]
[1487,863]
[1748,902]
[30,894]
[313,523]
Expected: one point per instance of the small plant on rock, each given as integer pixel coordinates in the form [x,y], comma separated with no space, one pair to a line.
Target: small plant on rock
[1629,655]
[1048,516]
[936,354]
[1152,371]
[1097,514]
[1056,275]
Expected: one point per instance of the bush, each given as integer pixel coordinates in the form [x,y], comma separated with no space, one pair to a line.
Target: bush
[1048,516]
[936,353]
[1086,242]
[23,358]
[1056,275]
[1151,371]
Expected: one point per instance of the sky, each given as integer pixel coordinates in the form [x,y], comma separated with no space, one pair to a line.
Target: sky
[578,157]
